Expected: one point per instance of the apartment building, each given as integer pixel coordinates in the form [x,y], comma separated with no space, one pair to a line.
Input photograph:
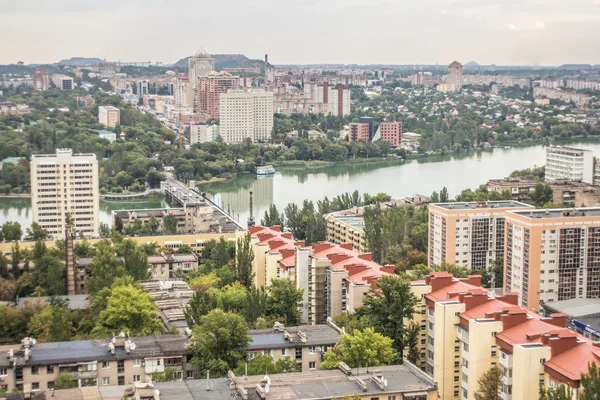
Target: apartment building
[359,132]
[466,330]
[417,79]
[183,92]
[164,266]
[390,132]
[567,163]
[65,184]
[209,89]
[246,114]
[455,75]
[41,80]
[579,99]
[468,234]
[200,64]
[63,82]
[201,133]
[109,116]
[143,88]
[338,100]
[552,255]
[347,227]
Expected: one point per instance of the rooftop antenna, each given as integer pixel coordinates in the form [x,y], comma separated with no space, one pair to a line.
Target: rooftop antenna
[251,216]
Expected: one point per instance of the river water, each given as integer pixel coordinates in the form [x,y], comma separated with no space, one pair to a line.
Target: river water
[293,185]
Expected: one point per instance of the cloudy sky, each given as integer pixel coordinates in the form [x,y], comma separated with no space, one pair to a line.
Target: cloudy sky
[524,32]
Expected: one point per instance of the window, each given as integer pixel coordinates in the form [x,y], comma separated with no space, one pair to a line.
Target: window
[542,360]
[105,364]
[120,367]
[35,386]
[137,362]
[3,371]
[542,379]
[311,350]
[298,353]
[456,391]
[465,393]
[312,365]
[494,351]
[121,380]
[136,378]
[391,397]
[35,370]
[284,352]
[106,380]
[466,346]
[50,369]
[51,385]
[189,374]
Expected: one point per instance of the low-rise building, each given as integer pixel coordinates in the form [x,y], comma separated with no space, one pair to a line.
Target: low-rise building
[583,315]
[164,266]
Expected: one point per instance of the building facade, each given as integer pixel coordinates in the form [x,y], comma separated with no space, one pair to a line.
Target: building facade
[358,132]
[455,75]
[109,116]
[551,255]
[246,114]
[65,184]
[200,133]
[391,132]
[338,100]
[183,92]
[63,82]
[200,64]
[468,234]
[208,91]
[567,163]
[41,80]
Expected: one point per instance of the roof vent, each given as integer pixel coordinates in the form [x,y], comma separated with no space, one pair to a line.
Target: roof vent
[361,384]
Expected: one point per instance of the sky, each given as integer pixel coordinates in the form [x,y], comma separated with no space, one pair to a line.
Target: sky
[503,32]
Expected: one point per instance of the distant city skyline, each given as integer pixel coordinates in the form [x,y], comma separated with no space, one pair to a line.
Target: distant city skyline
[502,32]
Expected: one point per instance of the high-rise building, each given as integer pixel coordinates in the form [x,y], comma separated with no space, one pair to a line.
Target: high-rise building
[358,132]
[183,92]
[552,255]
[200,133]
[246,114]
[468,234]
[109,116]
[65,184]
[41,80]
[455,75]
[63,82]
[337,100]
[200,64]
[143,88]
[568,163]
[209,89]
[417,79]
[466,330]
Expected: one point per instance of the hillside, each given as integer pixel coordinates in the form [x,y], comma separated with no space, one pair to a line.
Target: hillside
[227,61]
[80,61]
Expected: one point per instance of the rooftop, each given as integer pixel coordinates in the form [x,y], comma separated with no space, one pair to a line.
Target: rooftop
[316,335]
[474,205]
[575,307]
[560,213]
[75,301]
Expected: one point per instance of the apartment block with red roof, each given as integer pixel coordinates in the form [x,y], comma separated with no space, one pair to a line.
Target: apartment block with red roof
[466,330]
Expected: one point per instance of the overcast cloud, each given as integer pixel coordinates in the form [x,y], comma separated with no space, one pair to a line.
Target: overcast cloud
[525,32]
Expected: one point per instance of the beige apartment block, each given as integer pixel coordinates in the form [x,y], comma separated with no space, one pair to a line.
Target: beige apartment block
[468,234]
[65,184]
[246,114]
[552,255]
[109,116]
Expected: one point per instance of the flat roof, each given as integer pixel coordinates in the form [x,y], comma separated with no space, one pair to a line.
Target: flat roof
[357,222]
[475,205]
[575,307]
[560,213]
[316,335]
[75,301]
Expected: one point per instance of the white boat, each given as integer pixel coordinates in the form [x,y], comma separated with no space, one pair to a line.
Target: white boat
[265,170]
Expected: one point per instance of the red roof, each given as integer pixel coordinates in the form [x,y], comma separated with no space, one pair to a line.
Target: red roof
[574,362]
[278,242]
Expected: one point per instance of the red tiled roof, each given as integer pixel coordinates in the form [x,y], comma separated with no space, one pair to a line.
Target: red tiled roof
[574,362]
[451,291]
[278,242]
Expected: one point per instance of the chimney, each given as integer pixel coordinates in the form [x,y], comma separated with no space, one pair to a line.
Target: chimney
[560,342]
[70,260]
[347,246]
[389,268]
[319,247]
[513,318]
[474,280]
[510,298]
[438,280]
[251,214]
[276,228]
[266,59]
[366,256]
[557,319]
[474,300]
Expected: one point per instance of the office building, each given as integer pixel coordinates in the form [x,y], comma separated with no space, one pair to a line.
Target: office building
[210,87]
[552,255]
[246,114]
[567,163]
[199,65]
[358,132]
[390,132]
[466,330]
[143,88]
[200,133]
[109,116]
[65,184]
[468,234]
[41,80]
[455,75]
[183,92]
[63,82]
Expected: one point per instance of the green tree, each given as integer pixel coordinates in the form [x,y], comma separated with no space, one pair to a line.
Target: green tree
[50,275]
[590,382]
[3,266]
[542,194]
[388,306]
[16,258]
[35,233]
[457,271]
[104,268]
[170,224]
[412,342]
[118,225]
[129,309]
[65,380]
[244,259]
[220,342]
[135,259]
[123,179]
[201,303]
[12,231]
[560,392]
[365,349]
[285,301]
[83,249]
[444,197]
[255,305]
[489,385]
[273,217]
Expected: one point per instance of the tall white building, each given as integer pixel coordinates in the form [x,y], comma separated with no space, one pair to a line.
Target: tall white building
[143,88]
[570,164]
[246,114]
[338,101]
[200,64]
[183,92]
[65,183]
[201,133]
[109,116]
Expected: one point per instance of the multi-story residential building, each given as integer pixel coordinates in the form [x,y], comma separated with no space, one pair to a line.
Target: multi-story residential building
[109,116]
[503,80]
[200,64]
[246,114]
[518,188]
[597,173]
[164,266]
[579,84]
[41,80]
[143,88]
[63,82]
[358,132]
[579,99]
[468,234]
[338,100]
[466,330]
[455,75]
[64,184]
[200,133]
[551,255]
[183,92]
[552,83]
[390,132]
[568,163]
[417,79]
[209,89]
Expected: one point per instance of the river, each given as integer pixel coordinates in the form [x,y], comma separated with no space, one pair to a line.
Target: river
[295,184]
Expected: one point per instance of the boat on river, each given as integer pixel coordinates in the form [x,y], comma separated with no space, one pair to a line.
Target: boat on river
[265,170]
